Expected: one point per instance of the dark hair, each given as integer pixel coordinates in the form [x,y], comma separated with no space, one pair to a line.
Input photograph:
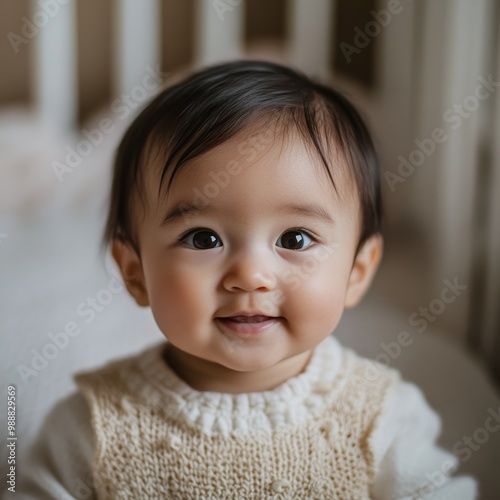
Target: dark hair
[212,105]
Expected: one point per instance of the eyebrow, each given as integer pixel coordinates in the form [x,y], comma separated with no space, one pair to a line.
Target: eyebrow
[188,211]
[182,210]
[307,210]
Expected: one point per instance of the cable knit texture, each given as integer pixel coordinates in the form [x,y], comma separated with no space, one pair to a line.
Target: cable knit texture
[157,437]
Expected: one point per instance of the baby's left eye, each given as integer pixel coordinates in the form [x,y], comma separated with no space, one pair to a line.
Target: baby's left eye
[295,239]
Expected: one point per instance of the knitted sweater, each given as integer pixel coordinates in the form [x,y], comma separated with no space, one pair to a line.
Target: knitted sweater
[327,433]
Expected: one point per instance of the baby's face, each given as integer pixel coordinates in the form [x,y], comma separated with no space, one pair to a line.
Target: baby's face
[269,237]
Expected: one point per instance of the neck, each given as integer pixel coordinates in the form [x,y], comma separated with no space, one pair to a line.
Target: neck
[203,375]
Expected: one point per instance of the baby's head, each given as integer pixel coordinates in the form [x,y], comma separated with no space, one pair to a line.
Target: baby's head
[246,190]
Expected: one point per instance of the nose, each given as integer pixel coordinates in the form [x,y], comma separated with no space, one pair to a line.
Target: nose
[250,272]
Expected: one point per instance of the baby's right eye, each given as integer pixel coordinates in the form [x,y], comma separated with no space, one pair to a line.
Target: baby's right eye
[201,239]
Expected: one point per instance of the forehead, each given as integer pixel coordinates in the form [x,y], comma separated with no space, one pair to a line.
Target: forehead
[260,166]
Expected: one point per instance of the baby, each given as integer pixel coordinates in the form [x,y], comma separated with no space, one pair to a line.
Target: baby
[246,212]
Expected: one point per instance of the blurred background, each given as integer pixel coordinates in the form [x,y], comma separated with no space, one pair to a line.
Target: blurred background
[426,77]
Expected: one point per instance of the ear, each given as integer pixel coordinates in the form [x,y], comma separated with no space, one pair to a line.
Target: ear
[131,269]
[363,270]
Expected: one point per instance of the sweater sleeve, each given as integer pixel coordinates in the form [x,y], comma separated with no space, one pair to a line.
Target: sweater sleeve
[409,463]
[60,461]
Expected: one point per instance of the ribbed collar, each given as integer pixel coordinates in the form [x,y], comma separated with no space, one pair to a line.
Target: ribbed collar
[215,413]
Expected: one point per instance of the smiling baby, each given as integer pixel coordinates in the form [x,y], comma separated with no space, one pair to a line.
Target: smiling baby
[246,213]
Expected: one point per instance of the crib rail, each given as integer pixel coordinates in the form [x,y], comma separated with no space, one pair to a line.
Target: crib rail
[55,74]
[136,40]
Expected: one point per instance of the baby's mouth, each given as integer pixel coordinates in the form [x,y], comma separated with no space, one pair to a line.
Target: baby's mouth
[249,325]
[247,319]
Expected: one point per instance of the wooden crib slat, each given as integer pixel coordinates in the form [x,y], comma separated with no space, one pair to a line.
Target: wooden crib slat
[311,28]
[137,42]
[219,30]
[55,68]
[491,314]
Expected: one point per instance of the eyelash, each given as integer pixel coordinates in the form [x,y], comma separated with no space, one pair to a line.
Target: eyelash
[184,235]
[307,231]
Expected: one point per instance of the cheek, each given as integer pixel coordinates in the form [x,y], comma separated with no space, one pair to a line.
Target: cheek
[179,296]
[317,295]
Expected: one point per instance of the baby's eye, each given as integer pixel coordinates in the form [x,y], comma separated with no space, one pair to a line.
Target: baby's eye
[295,239]
[201,239]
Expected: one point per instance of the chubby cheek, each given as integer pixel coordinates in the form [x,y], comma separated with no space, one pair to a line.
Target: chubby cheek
[180,302]
[316,303]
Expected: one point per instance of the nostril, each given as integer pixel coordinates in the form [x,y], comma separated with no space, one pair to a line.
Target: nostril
[248,283]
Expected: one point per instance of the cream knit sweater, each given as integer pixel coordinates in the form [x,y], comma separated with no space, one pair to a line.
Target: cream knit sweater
[334,431]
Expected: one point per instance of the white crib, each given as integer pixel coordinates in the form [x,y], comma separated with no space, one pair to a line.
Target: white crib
[219,35]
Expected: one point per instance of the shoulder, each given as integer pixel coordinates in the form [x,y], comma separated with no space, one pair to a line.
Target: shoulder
[126,377]
[360,392]
[408,459]
[407,416]
[68,427]
[403,414]
[60,460]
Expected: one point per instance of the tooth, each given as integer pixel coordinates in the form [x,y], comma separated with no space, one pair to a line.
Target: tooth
[249,319]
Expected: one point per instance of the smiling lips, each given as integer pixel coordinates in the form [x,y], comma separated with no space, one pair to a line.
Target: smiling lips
[249,324]
[248,319]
